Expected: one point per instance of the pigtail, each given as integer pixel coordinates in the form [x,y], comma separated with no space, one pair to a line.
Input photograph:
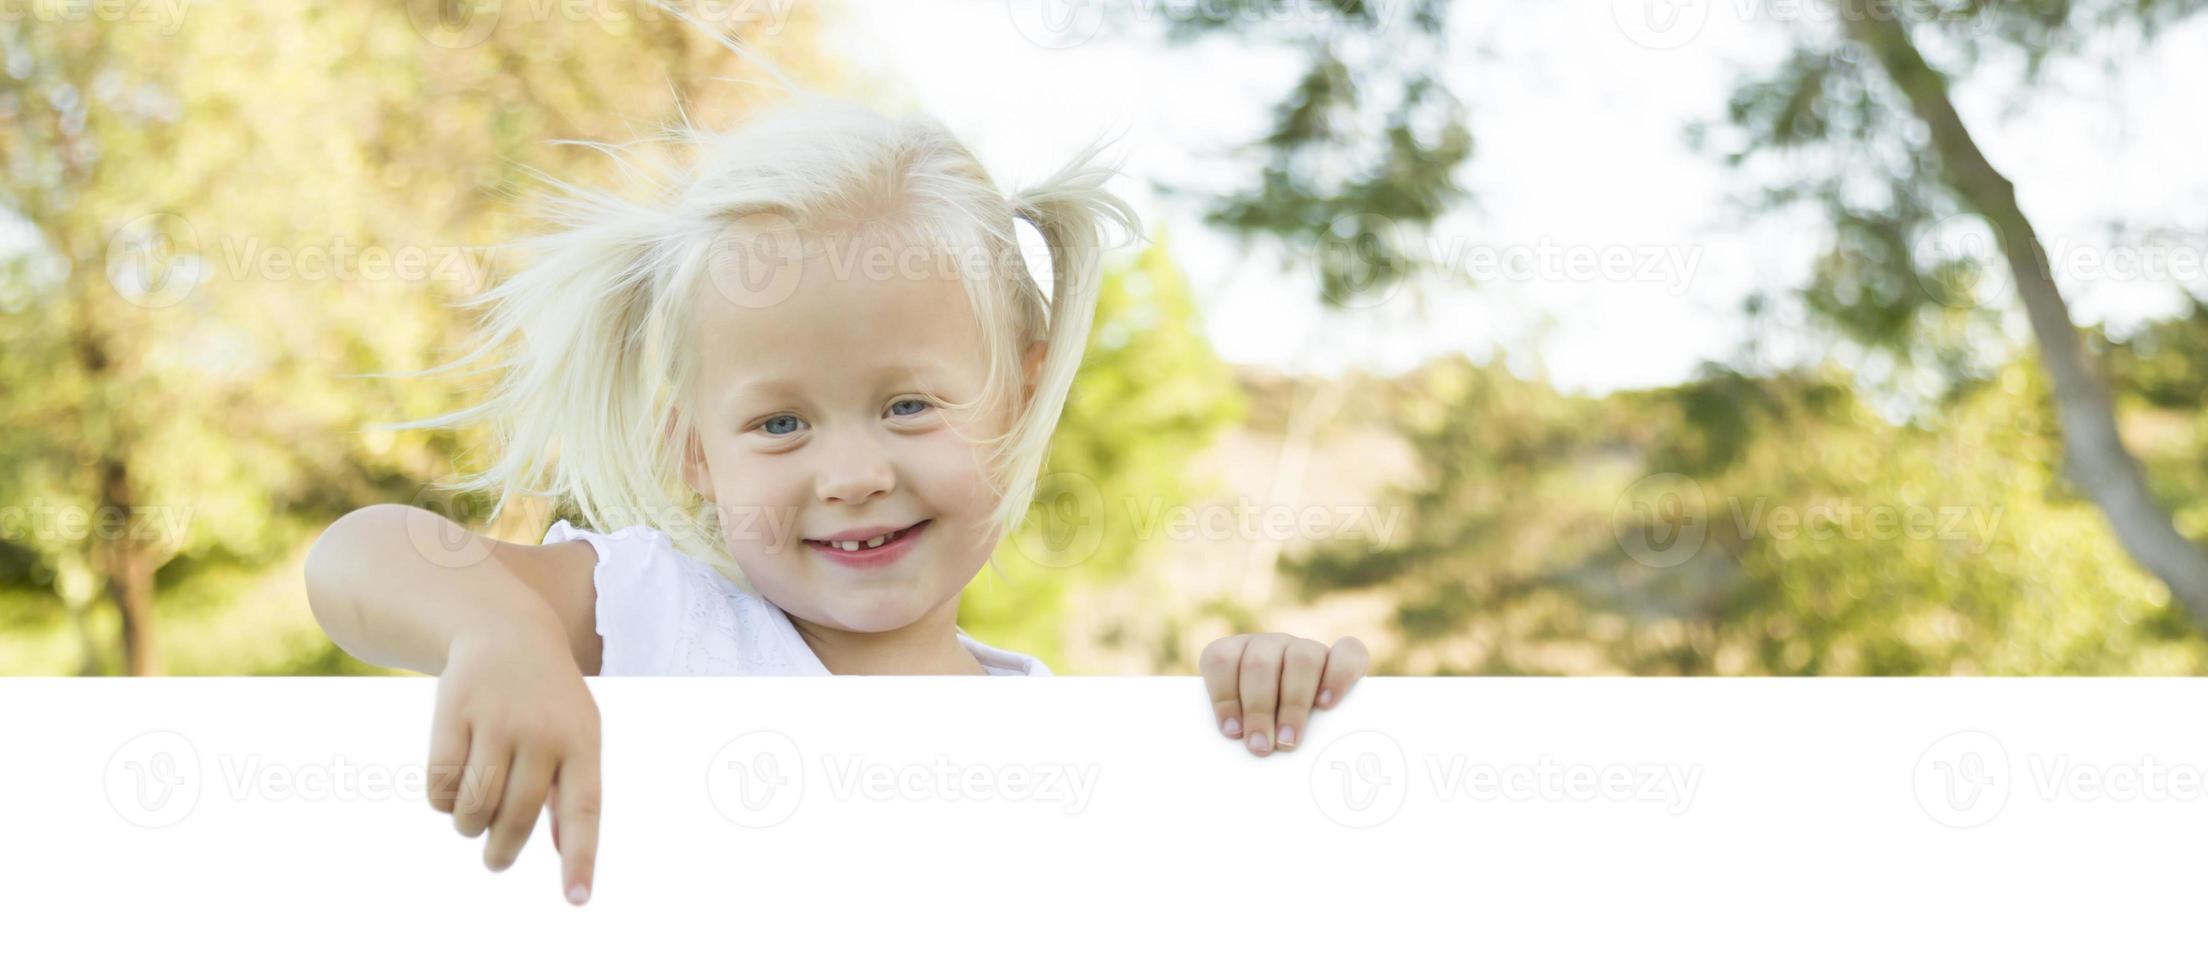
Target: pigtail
[1070,210]
[585,411]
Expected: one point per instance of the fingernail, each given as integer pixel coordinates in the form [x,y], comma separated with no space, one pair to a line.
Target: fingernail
[1287,735]
[1233,727]
[1258,743]
[1326,698]
[578,893]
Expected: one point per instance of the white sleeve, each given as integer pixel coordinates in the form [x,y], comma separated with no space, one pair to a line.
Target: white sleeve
[643,598]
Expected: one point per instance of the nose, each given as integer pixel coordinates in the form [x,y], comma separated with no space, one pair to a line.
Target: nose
[853,472]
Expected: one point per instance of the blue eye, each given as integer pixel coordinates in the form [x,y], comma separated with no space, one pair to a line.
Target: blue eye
[922,406]
[769,425]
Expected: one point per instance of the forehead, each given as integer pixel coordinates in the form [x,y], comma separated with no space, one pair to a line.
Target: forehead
[847,306]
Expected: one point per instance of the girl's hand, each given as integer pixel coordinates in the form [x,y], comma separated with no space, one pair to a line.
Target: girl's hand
[1263,685]
[515,722]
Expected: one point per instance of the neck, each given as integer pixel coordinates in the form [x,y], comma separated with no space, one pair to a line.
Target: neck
[929,645]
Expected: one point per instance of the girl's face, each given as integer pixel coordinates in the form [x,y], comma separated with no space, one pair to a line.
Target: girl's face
[819,408]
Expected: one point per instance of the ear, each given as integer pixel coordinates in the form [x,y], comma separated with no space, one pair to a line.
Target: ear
[1031,368]
[695,472]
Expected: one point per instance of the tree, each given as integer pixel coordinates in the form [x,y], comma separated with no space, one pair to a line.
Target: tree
[1853,93]
[230,220]
[1896,160]
[1362,153]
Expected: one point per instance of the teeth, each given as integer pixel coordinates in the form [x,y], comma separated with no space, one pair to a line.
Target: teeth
[869,544]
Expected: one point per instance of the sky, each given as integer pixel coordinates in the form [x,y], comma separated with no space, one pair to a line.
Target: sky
[1579,109]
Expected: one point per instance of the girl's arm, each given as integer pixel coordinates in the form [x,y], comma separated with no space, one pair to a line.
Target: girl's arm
[510,630]
[396,586]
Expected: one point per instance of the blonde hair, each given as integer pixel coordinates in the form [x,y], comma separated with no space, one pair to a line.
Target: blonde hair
[589,407]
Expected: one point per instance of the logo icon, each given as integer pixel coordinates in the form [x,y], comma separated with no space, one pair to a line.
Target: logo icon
[453,23]
[1362,260]
[1360,779]
[756,780]
[1959,261]
[1661,520]
[1056,24]
[1068,511]
[153,261]
[1660,25]
[1962,780]
[437,529]
[757,261]
[153,780]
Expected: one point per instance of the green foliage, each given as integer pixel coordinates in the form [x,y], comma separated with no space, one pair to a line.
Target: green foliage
[1362,153]
[1745,525]
[228,227]
[2161,377]
[1906,267]
[1484,516]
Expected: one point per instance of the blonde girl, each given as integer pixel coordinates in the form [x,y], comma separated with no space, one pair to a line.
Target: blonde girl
[793,399]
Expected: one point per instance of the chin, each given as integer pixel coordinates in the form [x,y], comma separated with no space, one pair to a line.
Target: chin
[870,620]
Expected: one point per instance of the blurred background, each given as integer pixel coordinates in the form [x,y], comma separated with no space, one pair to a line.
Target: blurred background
[1587,337]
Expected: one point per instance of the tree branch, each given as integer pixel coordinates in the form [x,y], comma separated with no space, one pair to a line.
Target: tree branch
[2098,460]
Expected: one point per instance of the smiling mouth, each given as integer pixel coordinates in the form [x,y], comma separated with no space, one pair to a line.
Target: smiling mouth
[862,547]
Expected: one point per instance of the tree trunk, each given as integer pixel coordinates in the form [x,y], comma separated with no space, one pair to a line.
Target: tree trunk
[129,568]
[2097,460]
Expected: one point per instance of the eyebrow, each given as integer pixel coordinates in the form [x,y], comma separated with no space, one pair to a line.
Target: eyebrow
[782,387]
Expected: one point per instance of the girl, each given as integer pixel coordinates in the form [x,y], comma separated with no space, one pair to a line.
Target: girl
[794,404]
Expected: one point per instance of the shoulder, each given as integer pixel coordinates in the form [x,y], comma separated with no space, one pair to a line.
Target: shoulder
[663,612]
[1002,662]
[642,589]
[636,540]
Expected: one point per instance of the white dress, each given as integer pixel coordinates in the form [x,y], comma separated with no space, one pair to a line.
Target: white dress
[662,612]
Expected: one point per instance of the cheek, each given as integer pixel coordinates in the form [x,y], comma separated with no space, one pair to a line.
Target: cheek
[951,475]
[759,502]
[968,497]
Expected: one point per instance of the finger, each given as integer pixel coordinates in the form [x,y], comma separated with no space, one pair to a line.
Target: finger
[1300,667]
[448,755]
[1259,682]
[482,782]
[518,807]
[1346,661]
[575,817]
[1219,663]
